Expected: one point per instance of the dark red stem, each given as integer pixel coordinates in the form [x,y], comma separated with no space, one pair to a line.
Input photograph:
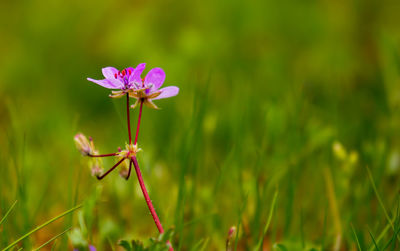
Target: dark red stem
[128,118]
[110,170]
[143,187]
[130,168]
[102,155]
[146,195]
[138,124]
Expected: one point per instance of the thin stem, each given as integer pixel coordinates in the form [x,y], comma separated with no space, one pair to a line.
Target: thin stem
[148,201]
[128,118]
[130,169]
[109,171]
[138,124]
[102,155]
[142,185]
[146,196]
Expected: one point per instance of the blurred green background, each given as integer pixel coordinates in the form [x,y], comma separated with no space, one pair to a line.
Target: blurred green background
[297,97]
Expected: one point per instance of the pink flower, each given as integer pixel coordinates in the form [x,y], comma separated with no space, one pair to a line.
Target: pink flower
[149,88]
[129,81]
[115,79]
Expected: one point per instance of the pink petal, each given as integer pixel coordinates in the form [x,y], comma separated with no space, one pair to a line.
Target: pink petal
[106,83]
[135,76]
[109,72]
[167,92]
[155,76]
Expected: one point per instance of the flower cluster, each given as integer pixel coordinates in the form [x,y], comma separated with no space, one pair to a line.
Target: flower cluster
[142,89]
[130,84]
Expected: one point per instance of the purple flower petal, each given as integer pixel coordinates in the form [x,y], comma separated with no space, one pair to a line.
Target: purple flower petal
[155,76]
[92,248]
[167,92]
[109,72]
[135,76]
[107,83]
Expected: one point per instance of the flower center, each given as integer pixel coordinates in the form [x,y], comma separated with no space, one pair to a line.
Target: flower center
[130,151]
[124,76]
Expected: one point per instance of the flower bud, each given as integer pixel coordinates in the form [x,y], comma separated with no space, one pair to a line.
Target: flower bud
[82,144]
[230,238]
[124,170]
[96,170]
[96,166]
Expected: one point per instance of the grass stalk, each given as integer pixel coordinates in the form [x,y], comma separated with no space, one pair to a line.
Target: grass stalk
[41,226]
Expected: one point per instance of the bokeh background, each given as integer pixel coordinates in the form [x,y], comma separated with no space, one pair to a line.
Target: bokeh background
[293,97]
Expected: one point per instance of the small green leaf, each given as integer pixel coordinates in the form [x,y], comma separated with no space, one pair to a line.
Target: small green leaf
[138,246]
[126,245]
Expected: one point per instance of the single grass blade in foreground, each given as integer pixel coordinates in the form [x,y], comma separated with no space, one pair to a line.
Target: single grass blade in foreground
[373,239]
[8,212]
[356,237]
[382,206]
[271,212]
[241,210]
[383,233]
[379,198]
[52,239]
[41,226]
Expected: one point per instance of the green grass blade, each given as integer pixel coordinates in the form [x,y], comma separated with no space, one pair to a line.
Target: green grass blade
[197,246]
[324,227]
[379,198]
[205,243]
[396,223]
[52,239]
[373,239]
[303,244]
[392,239]
[383,233]
[53,247]
[8,212]
[42,226]
[110,243]
[382,206]
[271,212]
[241,210]
[356,237]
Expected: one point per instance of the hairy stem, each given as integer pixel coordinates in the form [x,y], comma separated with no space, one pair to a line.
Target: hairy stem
[148,200]
[146,196]
[138,124]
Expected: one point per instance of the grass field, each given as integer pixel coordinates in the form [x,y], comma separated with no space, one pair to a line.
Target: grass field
[286,127]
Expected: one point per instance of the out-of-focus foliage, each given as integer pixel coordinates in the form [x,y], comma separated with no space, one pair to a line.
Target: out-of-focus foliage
[294,96]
